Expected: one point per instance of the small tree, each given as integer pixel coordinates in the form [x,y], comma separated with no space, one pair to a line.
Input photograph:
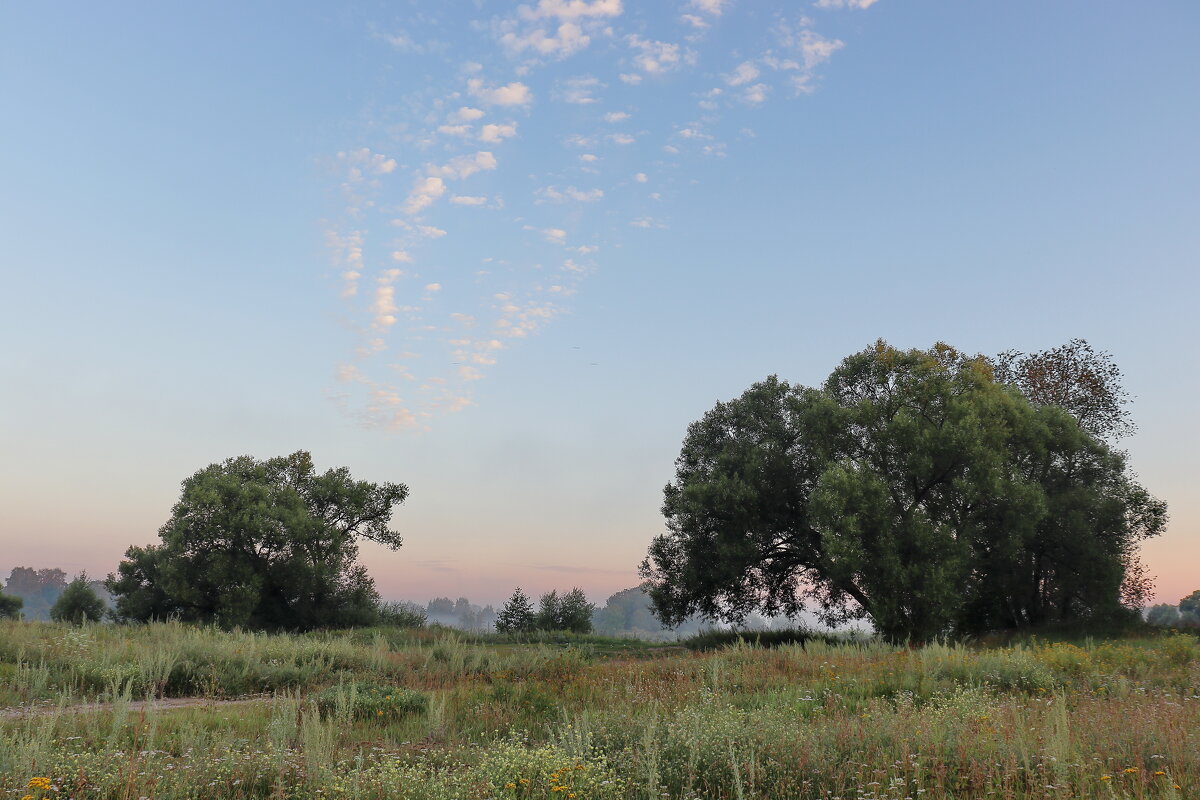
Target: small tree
[517,614]
[575,612]
[548,616]
[10,606]
[78,603]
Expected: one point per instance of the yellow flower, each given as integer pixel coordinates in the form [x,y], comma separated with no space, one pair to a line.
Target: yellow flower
[39,783]
[510,786]
[1160,772]
[27,797]
[1106,777]
[1130,770]
[524,781]
[379,713]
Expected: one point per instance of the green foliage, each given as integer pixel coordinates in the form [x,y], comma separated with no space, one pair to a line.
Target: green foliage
[262,544]
[370,701]
[571,612]
[78,603]
[911,488]
[517,615]
[854,720]
[514,770]
[1189,608]
[401,615]
[716,639]
[10,606]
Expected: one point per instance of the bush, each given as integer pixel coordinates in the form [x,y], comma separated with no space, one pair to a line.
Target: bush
[370,701]
[10,607]
[78,603]
[716,639]
[402,615]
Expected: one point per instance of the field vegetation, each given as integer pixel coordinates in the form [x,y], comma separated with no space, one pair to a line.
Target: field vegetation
[431,713]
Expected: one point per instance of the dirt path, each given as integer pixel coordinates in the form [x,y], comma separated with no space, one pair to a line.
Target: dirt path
[134,706]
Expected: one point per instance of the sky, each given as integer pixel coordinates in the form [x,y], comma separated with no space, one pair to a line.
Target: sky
[505,253]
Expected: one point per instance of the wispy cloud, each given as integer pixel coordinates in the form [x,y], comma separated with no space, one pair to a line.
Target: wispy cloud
[433,320]
[845,3]
[554,194]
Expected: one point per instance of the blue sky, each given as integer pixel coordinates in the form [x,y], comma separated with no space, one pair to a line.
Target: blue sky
[505,253]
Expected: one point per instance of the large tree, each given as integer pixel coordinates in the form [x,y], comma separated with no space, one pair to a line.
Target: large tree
[262,544]
[912,488]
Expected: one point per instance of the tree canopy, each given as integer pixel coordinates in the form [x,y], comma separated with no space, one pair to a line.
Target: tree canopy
[1074,377]
[912,488]
[262,544]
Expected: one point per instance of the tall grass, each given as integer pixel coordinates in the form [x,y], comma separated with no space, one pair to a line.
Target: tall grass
[472,718]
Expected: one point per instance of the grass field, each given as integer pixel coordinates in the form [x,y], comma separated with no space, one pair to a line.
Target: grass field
[433,714]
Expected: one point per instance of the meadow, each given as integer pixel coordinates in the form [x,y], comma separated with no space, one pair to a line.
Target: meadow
[431,713]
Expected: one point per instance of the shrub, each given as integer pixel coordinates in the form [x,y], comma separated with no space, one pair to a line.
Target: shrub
[78,603]
[370,701]
[402,615]
[716,639]
[10,607]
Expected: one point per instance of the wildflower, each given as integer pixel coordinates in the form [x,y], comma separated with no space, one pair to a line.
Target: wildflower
[510,786]
[1106,777]
[27,797]
[524,781]
[39,783]
[1160,772]
[1130,770]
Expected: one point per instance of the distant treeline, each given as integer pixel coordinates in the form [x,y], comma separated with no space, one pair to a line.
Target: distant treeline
[39,590]
[625,613]
[1184,615]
